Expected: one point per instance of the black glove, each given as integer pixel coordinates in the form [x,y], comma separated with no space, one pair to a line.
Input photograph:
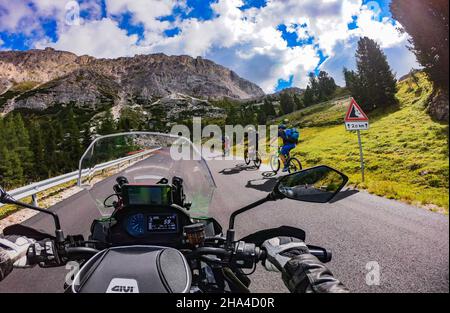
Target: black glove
[44,253]
[281,250]
[301,271]
[6,264]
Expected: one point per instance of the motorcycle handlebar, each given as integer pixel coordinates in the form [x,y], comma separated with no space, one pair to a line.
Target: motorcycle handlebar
[323,255]
[75,253]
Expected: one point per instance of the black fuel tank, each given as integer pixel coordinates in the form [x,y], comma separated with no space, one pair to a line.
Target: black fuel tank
[134,269]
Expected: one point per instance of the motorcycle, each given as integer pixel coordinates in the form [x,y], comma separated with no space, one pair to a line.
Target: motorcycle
[153,192]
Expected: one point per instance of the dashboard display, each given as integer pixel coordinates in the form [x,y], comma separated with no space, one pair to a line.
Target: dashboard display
[147,195]
[165,223]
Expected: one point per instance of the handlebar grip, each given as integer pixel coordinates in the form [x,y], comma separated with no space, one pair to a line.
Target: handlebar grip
[323,255]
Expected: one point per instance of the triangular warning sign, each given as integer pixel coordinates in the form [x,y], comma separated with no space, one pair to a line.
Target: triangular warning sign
[355,113]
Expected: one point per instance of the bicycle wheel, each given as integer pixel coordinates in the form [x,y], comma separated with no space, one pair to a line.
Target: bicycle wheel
[246,158]
[275,163]
[295,165]
[257,160]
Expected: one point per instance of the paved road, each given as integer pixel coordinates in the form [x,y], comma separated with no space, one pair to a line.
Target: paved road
[410,245]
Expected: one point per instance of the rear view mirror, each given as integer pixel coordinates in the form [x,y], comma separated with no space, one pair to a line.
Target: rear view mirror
[318,184]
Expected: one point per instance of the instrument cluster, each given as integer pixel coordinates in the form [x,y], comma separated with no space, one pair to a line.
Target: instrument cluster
[155,225]
[140,224]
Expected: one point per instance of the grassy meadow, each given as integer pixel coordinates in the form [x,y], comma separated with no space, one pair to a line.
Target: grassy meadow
[405,151]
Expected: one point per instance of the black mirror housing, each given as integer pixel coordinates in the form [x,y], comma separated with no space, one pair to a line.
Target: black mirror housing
[318,184]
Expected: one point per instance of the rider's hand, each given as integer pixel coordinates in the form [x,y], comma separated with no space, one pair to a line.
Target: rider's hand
[6,265]
[13,253]
[281,250]
[44,253]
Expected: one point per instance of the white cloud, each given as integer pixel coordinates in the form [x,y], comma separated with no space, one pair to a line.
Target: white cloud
[246,41]
[384,32]
[103,39]
[16,16]
[144,11]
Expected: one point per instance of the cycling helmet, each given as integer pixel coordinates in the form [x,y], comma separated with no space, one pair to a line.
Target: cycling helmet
[282,126]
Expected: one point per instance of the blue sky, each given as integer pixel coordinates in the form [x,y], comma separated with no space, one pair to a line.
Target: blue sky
[271,42]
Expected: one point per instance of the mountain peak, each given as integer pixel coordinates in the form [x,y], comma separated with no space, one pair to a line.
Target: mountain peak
[55,76]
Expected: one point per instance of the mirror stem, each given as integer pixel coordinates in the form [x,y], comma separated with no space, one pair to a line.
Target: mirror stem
[7,199]
[270,197]
[230,232]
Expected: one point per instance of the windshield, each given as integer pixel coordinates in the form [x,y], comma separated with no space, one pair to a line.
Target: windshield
[145,158]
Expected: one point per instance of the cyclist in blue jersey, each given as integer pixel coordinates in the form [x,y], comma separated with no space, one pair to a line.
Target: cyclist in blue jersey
[290,138]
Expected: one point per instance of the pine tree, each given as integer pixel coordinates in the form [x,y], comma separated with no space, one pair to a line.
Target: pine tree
[18,144]
[353,83]
[427,24]
[308,97]
[2,134]
[269,110]
[373,85]
[287,103]
[232,116]
[262,117]
[298,102]
[87,136]
[23,147]
[71,142]
[130,120]
[327,86]
[4,161]
[10,169]
[37,147]
[9,132]
[5,168]
[107,124]
[314,86]
[52,159]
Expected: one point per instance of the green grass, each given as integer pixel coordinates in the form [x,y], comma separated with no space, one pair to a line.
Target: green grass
[406,152]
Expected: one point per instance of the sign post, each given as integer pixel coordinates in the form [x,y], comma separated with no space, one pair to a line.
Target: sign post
[357,120]
[361,155]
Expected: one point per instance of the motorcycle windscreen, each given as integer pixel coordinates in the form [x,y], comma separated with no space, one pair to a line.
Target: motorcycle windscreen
[145,158]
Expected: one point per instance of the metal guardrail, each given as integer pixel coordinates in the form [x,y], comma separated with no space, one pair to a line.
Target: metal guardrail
[34,188]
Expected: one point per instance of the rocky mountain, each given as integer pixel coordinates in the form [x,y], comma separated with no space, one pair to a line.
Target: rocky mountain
[41,79]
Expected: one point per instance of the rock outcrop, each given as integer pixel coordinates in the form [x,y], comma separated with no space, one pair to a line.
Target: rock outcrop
[39,79]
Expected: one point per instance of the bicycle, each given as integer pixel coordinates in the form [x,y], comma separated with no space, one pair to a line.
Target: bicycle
[294,164]
[256,159]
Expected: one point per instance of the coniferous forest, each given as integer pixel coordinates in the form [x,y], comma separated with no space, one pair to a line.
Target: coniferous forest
[33,148]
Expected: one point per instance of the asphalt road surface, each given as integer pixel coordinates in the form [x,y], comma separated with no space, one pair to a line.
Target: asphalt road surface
[409,245]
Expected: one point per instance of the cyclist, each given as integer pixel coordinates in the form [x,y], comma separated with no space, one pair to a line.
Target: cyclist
[226,145]
[290,140]
[252,146]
